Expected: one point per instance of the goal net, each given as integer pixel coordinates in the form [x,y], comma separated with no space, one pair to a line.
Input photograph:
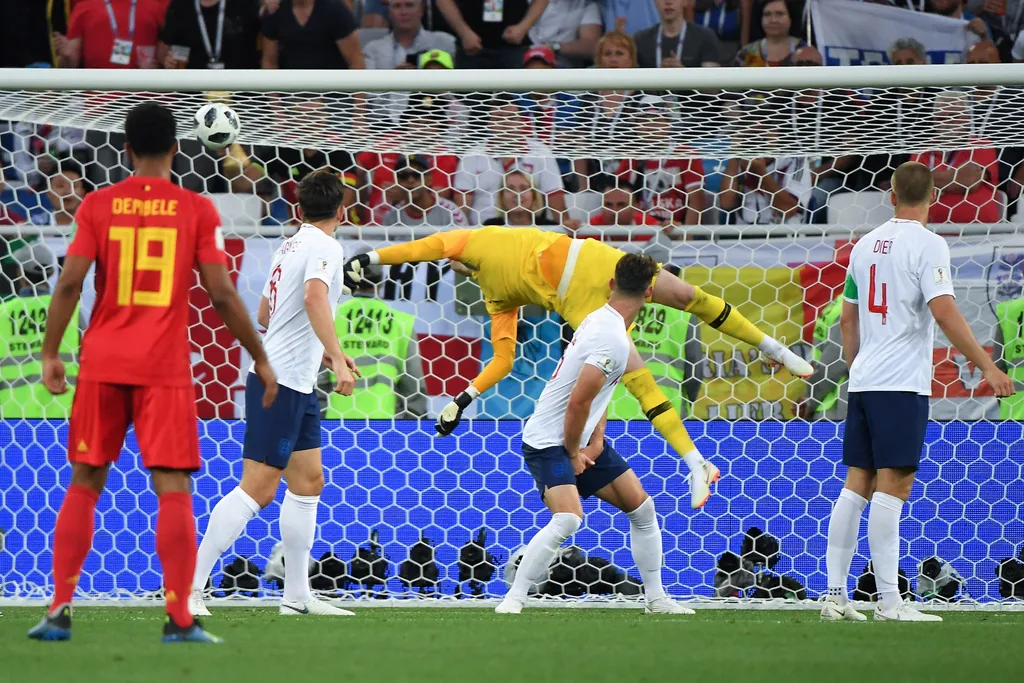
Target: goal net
[752,184]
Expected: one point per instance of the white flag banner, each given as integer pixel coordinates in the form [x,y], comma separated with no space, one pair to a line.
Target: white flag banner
[854,33]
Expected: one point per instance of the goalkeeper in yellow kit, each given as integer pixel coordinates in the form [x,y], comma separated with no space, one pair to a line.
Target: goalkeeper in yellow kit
[519,266]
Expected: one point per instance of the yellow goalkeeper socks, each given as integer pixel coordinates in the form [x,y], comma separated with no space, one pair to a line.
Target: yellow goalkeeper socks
[662,414]
[723,317]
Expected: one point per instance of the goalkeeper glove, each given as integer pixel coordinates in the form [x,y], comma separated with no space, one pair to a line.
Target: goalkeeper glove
[450,417]
[354,268]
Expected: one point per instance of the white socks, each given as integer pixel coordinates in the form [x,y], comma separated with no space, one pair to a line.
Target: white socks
[533,568]
[884,540]
[843,528]
[645,544]
[227,521]
[298,529]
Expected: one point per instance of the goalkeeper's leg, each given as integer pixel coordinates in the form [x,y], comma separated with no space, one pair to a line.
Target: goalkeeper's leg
[674,292]
[666,419]
[626,493]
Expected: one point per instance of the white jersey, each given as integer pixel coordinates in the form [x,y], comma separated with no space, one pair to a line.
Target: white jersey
[292,346]
[601,341]
[895,270]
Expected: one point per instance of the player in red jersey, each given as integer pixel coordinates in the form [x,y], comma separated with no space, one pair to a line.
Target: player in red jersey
[145,235]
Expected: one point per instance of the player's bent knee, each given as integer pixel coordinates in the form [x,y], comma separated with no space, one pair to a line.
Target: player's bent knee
[260,482]
[564,499]
[671,291]
[896,481]
[565,524]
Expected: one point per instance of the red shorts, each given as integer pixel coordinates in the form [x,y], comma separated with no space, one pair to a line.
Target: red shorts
[164,419]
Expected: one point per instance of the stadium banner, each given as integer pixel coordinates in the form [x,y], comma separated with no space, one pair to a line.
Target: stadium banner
[854,33]
[395,478]
[779,285]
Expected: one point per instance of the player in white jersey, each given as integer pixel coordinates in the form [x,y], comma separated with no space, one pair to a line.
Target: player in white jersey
[297,308]
[565,449]
[898,285]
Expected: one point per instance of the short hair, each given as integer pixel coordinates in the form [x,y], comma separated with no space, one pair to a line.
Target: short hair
[912,184]
[911,44]
[321,194]
[621,39]
[150,130]
[634,274]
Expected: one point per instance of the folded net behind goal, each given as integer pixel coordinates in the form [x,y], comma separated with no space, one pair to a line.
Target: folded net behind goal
[754,193]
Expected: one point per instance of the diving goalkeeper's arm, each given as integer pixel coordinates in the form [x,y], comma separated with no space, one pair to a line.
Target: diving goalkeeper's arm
[503,339]
[433,248]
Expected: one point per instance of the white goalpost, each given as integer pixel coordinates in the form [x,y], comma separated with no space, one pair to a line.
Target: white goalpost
[753,182]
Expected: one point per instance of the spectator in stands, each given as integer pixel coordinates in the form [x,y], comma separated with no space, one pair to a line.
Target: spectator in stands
[670,186]
[520,203]
[311,34]
[550,113]
[628,16]
[419,203]
[778,46]
[965,178]
[54,200]
[220,34]
[608,116]
[385,193]
[766,191]
[375,15]
[618,208]
[408,40]
[492,35]
[571,28]
[728,19]
[220,171]
[480,174]
[119,34]
[63,192]
[676,42]
[977,30]
[906,52]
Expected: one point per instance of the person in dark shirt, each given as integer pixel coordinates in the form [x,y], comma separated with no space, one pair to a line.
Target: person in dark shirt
[212,42]
[311,34]
[491,38]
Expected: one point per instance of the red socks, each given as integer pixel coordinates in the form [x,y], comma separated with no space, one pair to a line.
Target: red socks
[72,540]
[176,548]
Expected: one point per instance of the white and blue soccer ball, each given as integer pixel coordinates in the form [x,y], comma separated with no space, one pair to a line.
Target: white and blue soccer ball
[217,125]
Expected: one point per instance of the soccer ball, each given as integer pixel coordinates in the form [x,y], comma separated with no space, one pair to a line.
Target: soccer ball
[217,125]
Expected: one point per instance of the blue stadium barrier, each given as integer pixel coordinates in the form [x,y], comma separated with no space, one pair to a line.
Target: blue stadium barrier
[398,478]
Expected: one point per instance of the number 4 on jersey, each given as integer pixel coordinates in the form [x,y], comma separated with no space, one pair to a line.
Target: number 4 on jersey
[881,307]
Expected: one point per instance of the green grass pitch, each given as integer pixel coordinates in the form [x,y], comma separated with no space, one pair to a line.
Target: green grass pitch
[468,645]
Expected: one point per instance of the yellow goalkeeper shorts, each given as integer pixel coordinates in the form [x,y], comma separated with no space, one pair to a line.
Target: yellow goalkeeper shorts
[584,286]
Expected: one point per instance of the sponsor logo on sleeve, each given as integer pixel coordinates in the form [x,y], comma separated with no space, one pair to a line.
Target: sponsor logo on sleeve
[941,275]
[605,365]
[218,236]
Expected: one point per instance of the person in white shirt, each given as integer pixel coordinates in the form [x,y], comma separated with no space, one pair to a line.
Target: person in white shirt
[297,308]
[898,285]
[479,177]
[566,452]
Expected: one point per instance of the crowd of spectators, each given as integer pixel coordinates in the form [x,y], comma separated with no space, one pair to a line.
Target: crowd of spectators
[47,169]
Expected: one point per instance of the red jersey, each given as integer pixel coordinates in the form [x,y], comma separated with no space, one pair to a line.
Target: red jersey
[381,169]
[146,235]
[90,22]
[980,205]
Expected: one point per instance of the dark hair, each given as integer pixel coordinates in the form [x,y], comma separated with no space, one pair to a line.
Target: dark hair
[321,194]
[912,184]
[634,273]
[150,130]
